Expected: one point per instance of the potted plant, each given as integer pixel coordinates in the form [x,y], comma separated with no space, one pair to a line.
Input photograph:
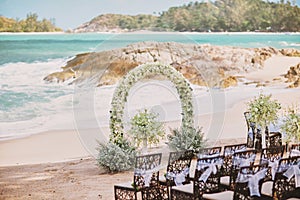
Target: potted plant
[291,125]
[263,111]
[146,129]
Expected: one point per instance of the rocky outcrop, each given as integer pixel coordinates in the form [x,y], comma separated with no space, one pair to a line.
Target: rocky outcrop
[208,65]
[293,76]
[290,52]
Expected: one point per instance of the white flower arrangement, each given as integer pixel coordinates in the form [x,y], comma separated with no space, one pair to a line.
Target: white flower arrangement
[146,129]
[121,92]
[291,125]
[263,111]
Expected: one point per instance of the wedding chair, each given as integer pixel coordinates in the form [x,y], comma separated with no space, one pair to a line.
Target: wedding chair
[145,179]
[271,156]
[178,171]
[249,181]
[228,152]
[240,159]
[207,180]
[287,180]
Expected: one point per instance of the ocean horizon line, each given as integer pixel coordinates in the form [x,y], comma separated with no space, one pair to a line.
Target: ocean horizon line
[152,32]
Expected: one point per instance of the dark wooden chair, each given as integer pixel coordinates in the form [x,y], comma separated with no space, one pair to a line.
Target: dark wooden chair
[177,171]
[228,152]
[249,181]
[273,139]
[207,180]
[145,179]
[240,159]
[284,187]
[271,156]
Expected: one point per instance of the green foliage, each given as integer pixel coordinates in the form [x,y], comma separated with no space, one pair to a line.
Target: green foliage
[263,110]
[186,139]
[30,24]
[146,127]
[291,125]
[218,15]
[116,157]
[130,22]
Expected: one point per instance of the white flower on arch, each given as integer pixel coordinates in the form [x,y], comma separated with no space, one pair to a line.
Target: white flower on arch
[149,69]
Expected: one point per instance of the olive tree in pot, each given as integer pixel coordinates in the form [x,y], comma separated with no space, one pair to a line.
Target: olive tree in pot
[263,111]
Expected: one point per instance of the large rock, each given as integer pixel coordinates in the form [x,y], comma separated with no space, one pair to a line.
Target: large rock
[207,65]
[293,76]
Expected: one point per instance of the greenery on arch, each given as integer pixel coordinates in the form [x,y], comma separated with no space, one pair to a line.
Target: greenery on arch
[145,70]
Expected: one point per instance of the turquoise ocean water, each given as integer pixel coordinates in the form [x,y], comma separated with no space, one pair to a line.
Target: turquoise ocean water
[26,101]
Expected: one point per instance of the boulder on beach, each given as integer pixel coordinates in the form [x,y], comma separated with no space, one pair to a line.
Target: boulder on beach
[204,65]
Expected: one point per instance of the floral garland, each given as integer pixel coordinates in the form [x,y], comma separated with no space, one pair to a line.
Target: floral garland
[121,92]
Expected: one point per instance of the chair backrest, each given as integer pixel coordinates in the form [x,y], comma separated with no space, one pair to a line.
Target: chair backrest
[243,155]
[207,152]
[240,159]
[249,181]
[247,116]
[228,152]
[231,149]
[272,154]
[294,150]
[285,163]
[284,185]
[274,139]
[295,146]
[179,162]
[207,175]
[146,172]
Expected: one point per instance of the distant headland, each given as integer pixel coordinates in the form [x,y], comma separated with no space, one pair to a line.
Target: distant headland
[208,16]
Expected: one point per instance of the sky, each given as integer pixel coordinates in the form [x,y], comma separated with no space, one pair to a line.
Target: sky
[69,14]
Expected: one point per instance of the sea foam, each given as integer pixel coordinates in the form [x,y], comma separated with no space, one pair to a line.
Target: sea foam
[27,102]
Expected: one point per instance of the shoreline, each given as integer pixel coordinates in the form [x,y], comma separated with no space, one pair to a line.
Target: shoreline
[153,32]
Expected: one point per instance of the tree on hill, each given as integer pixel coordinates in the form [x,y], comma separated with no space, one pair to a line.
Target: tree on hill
[217,15]
[30,24]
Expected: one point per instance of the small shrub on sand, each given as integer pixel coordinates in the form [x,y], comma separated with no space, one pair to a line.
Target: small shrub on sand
[186,139]
[116,157]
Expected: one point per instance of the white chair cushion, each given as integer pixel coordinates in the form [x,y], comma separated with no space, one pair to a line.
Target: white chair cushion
[125,184]
[266,188]
[162,178]
[220,195]
[225,180]
[188,188]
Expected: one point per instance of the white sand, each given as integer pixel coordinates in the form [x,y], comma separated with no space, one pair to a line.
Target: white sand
[42,148]
[275,67]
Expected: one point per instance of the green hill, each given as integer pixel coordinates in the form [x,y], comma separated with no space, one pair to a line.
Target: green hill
[30,24]
[218,15]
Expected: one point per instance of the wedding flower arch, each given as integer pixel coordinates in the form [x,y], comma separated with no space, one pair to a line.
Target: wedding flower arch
[149,69]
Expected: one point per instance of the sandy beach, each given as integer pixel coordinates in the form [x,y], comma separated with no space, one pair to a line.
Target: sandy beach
[58,164]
